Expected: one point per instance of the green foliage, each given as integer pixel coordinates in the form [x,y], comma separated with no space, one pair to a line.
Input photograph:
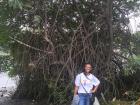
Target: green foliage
[6,63]
[133,66]
[134,61]
[15,4]
[133,95]
[137,59]
[136,44]
[4,29]
[117,102]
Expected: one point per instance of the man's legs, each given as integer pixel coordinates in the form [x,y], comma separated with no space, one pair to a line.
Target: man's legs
[88,100]
[82,100]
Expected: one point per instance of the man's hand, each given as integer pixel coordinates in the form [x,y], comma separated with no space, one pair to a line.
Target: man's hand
[95,89]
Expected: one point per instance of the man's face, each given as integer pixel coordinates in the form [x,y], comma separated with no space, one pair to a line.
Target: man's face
[88,68]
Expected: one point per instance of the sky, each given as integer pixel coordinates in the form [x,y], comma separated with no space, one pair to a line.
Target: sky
[134,23]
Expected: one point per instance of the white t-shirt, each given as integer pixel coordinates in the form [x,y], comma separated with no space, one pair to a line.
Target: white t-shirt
[87,81]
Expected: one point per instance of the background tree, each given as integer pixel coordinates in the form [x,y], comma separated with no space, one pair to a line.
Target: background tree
[50,40]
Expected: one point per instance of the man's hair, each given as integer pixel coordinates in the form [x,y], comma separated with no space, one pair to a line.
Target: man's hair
[87,64]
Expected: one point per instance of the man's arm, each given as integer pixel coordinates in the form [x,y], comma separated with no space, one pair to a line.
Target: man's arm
[96,83]
[76,90]
[95,89]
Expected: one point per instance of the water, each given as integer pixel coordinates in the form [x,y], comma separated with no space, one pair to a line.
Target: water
[7,88]
[7,84]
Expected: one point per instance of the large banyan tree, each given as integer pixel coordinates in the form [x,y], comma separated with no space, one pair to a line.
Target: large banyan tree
[51,39]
